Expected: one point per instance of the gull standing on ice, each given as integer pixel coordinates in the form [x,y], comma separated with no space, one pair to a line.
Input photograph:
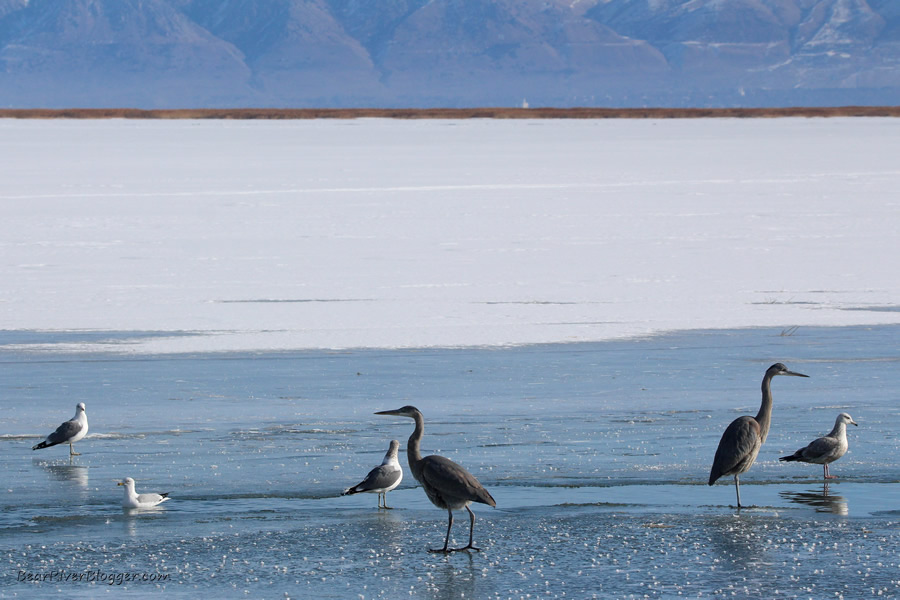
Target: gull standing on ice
[69,432]
[745,436]
[447,484]
[825,450]
[134,500]
[382,479]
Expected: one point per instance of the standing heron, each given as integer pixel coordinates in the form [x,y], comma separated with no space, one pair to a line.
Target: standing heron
[447,484]
[382,478]
[745,436]
[69,432]
[825,450]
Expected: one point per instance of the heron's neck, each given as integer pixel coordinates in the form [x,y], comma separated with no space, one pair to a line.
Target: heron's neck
[764,416]
[413,454]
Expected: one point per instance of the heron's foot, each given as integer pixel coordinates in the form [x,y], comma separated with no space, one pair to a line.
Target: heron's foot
[466,549]
[443,550]
[386,507]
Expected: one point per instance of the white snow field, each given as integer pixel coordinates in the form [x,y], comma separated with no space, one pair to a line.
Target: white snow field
[277,235]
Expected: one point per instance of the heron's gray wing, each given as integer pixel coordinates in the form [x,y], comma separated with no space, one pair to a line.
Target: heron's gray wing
[820,448]
[453,481]
[64,433]
[735,448]
[379,478]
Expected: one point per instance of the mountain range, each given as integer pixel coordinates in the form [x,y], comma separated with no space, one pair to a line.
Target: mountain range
[448,53]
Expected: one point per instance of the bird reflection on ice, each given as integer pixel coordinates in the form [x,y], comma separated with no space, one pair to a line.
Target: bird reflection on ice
[457,579]
[76,474]
[822,501]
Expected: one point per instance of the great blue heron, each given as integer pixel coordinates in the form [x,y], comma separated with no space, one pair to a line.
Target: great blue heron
[745,436]
[446,483]
[825,450]
[382,478]
[134,500]
[69,432]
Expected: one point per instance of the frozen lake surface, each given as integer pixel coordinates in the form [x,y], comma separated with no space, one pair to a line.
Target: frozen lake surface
[579,308]
[262,236]
[597,455]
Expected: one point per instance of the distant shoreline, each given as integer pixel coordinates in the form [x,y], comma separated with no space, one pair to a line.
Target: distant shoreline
[449,113]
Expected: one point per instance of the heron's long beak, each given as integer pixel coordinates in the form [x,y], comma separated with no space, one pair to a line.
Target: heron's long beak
[389,412]
[794,374]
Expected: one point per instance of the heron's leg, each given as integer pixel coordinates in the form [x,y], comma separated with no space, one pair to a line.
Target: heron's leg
[447,538]
[737,487]
[72,450]
[471,532]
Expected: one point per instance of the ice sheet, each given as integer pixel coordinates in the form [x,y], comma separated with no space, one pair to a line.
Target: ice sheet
[597,454]
[387,234]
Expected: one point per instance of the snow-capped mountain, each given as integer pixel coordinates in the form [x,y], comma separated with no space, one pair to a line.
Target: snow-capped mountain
[214,53]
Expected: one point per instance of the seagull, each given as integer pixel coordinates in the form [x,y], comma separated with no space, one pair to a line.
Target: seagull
[382,478]
[825,450]
[135,500]
[69,432]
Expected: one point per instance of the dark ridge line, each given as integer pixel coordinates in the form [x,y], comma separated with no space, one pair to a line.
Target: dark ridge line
[448,113]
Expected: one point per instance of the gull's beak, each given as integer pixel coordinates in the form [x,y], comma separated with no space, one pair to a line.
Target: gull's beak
[852,422]
[120,483]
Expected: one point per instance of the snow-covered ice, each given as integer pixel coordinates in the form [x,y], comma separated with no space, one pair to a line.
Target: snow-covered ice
[380,233]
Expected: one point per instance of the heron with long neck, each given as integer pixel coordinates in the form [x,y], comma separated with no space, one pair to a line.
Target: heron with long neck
[742,439]
[446,484]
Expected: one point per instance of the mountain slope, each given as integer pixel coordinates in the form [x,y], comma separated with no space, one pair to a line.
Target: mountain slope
[111,48]
[197,53]
[296,49]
